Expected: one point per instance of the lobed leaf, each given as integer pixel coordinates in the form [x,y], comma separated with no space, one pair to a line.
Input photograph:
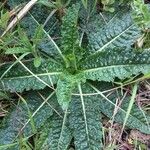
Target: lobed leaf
[109,64]
[65,86]
[136,119]
[59,135]
[70,37]
[27,77]
[85,122]
[64,91]
[69,30]
[13,125]
[120,31]
[17,50]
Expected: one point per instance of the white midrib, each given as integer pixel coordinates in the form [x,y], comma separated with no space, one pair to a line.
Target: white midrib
[108,67]
[49,37]
[30,76]
[62,129]
[104,46]
[35,112]
[101,94]
[84,112]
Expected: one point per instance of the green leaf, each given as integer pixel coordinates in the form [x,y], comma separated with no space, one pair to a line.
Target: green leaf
[64,91]
[65,85]
[56,134]
[13,126]
[85,3]
[37,61]
[116,63]
[17,50]
[24,76]
[85,122]
[59,135]
[141,13]
[24,39]
[4,19]
[4,96]
[69,30]
[47,3]
[38,35]
[136,119]
[14,3]
[120,31]
[69,33]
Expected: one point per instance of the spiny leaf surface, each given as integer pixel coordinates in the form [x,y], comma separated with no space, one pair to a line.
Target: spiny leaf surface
[116,63]
[65,86]
[70,38]
[69,30]
[84,119]
[136,119]
[120,31]
[19,79]
[19,116]
[59,135]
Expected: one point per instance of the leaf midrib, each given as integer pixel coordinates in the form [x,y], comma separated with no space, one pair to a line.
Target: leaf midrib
[105,98]
[113,66]
[112,40]
[30,76]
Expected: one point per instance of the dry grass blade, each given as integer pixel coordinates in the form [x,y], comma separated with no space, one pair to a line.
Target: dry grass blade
[3,112]
[15,10]
[20,15]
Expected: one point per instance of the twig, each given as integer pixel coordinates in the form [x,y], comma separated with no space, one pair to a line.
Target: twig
[20,15]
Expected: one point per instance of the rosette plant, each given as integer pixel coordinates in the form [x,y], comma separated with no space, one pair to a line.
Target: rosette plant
[62,101]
